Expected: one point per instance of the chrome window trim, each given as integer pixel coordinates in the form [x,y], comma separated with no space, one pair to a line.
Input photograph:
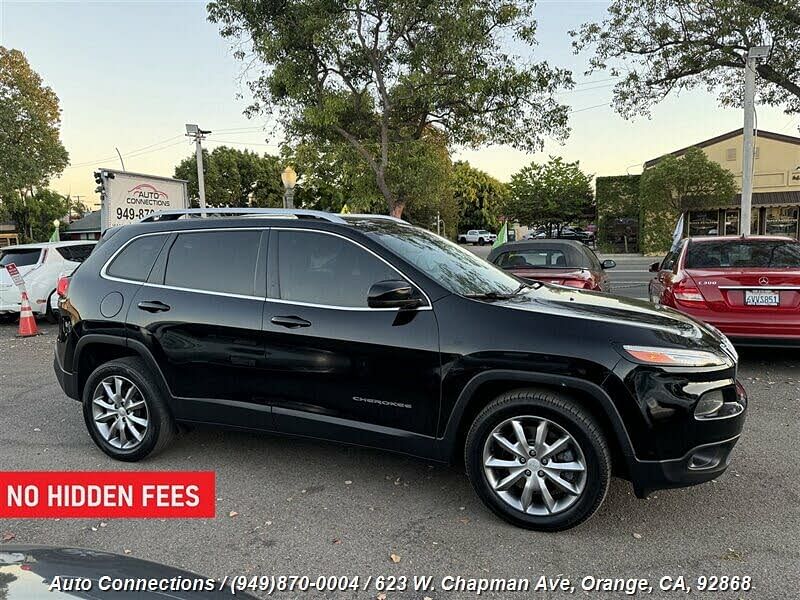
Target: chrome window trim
[429,305]
[104,270]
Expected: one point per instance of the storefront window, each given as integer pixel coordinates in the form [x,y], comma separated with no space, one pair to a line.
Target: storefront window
[705,222]
[781,220]
[732,222]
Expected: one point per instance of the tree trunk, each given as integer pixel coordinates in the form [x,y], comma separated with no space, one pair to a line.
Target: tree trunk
[396,209]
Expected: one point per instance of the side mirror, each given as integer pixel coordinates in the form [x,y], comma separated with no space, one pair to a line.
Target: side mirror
[655,267]
[609,264]
[394,293]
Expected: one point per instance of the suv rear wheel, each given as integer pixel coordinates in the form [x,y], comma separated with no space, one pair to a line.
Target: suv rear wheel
[125,410]
[538,460]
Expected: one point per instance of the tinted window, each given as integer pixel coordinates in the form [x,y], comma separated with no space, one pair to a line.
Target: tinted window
[136,260]
[544,257]
[325,269]
[215,261]
[76,253]
[732,254]
[451,266]
[21,258]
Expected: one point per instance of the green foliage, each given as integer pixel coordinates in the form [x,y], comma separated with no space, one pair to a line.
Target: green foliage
[677,184]
[552,194]
[658,47]
[235,178]
[30,149]
[480,198]
[617,197]
[332,175]
[381,75]
[34,215]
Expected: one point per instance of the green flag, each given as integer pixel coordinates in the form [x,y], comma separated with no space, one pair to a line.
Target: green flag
[502,236]
[56,237]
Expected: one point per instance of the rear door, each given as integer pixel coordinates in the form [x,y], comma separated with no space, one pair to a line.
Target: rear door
[341,369]
[200,315]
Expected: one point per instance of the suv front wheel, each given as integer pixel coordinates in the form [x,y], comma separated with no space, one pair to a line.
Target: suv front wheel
[538,460]
[125,410]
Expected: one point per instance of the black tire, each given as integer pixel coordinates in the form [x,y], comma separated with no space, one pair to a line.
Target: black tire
[161,426]
[481,241]
[50,314]
[462,240]
[561,410]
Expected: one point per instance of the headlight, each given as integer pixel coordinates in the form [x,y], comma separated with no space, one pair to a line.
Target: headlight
[675,357]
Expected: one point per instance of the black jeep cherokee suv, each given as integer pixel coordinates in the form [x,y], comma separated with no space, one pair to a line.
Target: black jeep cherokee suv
[367,330]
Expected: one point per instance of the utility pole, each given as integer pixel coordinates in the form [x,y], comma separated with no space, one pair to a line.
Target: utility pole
[193,131]
[753,55]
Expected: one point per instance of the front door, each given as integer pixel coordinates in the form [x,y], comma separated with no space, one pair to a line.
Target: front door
[345,370]
[200,315]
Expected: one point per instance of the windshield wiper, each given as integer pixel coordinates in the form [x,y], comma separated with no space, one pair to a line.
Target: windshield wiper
[500,295]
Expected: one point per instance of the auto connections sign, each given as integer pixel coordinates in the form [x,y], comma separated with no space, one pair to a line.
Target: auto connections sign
[130,197]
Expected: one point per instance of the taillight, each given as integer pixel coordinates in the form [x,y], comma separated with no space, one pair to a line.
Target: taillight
[686,291]
[62,287]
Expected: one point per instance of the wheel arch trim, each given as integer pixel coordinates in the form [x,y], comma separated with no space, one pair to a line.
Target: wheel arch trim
[137,347]
[450,436]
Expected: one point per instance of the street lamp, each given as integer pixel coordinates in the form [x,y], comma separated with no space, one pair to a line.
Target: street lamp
[754,55]
[289,179]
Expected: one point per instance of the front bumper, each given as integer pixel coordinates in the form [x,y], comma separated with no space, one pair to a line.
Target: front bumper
[701,464]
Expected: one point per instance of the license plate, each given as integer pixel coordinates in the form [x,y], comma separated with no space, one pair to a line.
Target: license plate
[762,298]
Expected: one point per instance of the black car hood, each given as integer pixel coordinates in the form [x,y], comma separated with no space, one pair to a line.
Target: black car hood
[26,573]
[607,308]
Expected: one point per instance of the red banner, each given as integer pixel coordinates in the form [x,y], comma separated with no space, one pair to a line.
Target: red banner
[107,494]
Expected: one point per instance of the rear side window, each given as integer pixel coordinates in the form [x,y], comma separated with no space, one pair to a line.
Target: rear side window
[543,258]
[76,253]
[733,254]
[22,257]
[317,268]
[137,258]
[214,261]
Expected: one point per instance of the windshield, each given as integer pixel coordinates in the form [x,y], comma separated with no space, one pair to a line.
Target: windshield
[448,264]
[543,257]
[21,257]
[743,254]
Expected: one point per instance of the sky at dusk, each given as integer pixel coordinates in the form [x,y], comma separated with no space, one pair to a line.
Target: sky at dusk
[131,74]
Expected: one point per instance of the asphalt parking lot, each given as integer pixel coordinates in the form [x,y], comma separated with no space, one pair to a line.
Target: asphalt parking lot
[298,507]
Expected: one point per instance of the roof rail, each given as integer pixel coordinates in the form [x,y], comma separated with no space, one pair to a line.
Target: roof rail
[370,216]
[297,213]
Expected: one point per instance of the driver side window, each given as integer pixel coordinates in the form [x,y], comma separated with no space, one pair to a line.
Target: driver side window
[318,268]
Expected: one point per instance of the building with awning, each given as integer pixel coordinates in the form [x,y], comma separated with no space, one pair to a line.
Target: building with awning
[86,228]
[776,185]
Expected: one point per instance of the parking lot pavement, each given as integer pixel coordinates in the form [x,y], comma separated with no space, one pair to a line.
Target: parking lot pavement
[309,508]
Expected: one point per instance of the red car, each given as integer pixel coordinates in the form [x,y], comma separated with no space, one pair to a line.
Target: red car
[748,287]
[564,262]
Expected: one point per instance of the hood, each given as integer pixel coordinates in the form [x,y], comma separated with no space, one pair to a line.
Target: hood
[573,303]
[27,572]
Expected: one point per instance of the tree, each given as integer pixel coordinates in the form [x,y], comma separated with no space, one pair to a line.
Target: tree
[34,214]
[379,74]
[668,46]
[480,197]
[30,149]
[552,194]
[333,175]
[677,184]
[235,178]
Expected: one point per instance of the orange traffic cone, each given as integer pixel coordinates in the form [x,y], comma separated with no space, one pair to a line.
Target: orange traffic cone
[27,324]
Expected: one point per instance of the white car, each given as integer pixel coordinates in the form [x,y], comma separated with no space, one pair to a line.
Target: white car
[40,266]
[477,236]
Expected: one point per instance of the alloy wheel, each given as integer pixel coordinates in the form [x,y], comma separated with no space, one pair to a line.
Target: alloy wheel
[120,412]
[534,465]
